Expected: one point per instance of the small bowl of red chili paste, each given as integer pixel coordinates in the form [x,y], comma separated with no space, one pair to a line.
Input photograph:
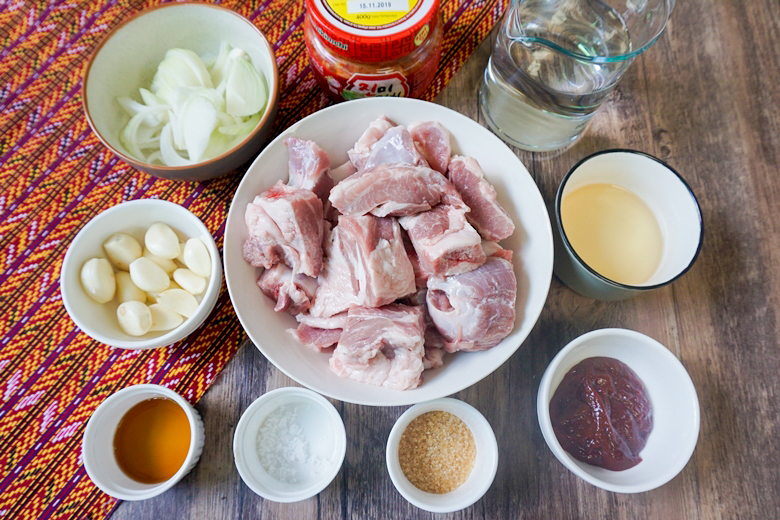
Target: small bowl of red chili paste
[619,410]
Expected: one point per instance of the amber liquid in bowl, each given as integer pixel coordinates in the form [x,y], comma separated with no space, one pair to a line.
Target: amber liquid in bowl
[614,231]
[152,440]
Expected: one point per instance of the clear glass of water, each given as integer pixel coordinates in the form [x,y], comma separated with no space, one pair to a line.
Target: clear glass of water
[555,61]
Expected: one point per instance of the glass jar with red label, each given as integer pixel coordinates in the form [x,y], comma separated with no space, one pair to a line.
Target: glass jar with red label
[363,48]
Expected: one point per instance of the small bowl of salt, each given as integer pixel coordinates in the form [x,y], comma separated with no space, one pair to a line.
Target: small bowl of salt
[289,444]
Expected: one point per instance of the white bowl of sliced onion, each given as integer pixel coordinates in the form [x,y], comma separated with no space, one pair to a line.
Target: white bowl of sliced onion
[142,274]
[183,91]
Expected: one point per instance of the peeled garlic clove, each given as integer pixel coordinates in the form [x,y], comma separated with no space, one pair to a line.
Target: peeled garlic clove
[135,318]
[178,300]
[148,276]
[163,318]
[152,296]
[189,281]
[97,279]
[196,257]
[180,258]
[161,240]
[126,290]
[167,265]
[122,249]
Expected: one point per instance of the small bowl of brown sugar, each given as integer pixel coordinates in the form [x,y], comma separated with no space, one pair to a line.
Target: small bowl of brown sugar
[442,455]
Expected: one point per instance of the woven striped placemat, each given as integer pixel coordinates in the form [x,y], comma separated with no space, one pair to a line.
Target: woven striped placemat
[54,177]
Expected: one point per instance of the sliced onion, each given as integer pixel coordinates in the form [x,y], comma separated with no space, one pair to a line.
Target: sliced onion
[130,133]
[243,128]
[169,155]
[183,119]
[198,118]
[180,68]
[219,67]
[151,99]
[245,91]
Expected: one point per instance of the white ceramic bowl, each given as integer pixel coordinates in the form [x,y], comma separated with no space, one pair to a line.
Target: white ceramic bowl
[321,427]
[98,443]
[672,396]
[481,476]
[336,129]
[99,321]
[127,59]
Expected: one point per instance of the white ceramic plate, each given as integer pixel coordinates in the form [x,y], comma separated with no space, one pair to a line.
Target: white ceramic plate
[336,129]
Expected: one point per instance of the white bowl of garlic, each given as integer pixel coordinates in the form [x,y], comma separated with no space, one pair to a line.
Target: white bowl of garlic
[142,274]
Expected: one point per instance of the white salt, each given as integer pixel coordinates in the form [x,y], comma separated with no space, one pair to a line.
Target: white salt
[282,447]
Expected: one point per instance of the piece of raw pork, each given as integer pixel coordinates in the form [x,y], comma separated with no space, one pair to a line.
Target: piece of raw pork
[486,215]
[309,167]
[285,224]
[382,347]
[474,310]
[292,293]
[433,141]
[366,265]
[390,190]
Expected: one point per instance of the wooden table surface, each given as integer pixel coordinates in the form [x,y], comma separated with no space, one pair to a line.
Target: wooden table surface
[706,99]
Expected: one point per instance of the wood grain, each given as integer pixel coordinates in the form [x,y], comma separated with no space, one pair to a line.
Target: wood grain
[706,99]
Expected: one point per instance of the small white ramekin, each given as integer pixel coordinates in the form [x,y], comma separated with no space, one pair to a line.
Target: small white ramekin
[134,217]
[485,465]
[97,445]
[322,428]
[672,396]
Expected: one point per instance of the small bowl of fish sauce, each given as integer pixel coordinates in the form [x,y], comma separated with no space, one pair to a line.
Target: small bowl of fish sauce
[653,410]
[141,441]
[442,455]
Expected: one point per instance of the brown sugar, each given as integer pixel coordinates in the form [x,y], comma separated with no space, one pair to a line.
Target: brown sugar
[437,452]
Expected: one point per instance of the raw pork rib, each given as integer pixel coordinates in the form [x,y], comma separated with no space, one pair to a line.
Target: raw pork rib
[420,276]
[434,341]
[390,190]
[491,220]
[285,224]
[337,321]
[366,265]
[382,347]
[443,239]
[433,141]
[359,153]
[292,293]
[395,147]
[342,172]
[475,310]
[493,249]
[309,166]
[319,340]
[319,334]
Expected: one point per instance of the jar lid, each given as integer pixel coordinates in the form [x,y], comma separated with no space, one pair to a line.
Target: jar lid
[373,30]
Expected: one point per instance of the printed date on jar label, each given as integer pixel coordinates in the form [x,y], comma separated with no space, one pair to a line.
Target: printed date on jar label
[373,6]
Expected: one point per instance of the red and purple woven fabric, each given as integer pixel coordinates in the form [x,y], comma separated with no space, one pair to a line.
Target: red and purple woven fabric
[54,177]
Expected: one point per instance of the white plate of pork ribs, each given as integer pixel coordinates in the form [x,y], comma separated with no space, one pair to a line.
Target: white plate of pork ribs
[387,251]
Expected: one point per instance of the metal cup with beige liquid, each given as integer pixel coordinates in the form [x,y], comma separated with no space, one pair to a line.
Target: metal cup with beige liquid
[625,223]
